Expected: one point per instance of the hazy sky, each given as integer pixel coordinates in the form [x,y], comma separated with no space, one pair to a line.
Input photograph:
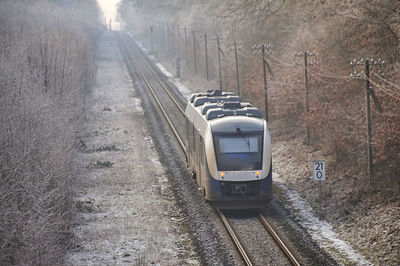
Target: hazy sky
[109,8]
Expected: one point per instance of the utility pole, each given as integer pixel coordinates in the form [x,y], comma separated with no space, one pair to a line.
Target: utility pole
[264,49]
[168,39]
[173,39]
[206,53]
[194,52]
[234,47]
[306,79]
[369,133]
[151,38]
[306,83]
[179,43]
[369,92]
[219,64]
[159,37]
[237,69]
[155,29]
[186,49]
[265,83]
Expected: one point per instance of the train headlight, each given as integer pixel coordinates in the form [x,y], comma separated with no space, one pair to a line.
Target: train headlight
[258,173]
[222,175]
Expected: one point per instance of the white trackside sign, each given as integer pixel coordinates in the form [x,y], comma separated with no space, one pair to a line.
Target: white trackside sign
[319,170]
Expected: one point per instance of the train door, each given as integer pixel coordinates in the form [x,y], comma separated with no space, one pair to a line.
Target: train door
[196,156]
[202,171]
[193,145]
[187,129]
[200,152]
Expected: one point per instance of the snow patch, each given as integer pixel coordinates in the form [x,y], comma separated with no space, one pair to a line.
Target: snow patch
[159,169]
[138,105]
[164,70]
[184,90]
[320,231]
[138,43]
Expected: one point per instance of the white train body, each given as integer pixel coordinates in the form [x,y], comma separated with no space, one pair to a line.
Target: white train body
[229,150]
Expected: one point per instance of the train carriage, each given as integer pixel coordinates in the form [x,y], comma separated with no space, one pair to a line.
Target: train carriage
[229,150]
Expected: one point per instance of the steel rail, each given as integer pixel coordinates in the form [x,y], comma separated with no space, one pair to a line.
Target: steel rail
[278,240]
[158,79]
[171,125]
[234,238]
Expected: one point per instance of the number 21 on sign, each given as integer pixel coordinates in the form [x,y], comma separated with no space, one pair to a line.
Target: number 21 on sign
[319,175]
[319,170]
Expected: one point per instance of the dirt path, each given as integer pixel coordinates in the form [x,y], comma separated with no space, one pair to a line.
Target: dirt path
[125,210]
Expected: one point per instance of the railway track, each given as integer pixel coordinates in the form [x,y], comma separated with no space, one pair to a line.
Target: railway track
[240,247]
[181,105]
[135,58]
[277,239]
[160,91]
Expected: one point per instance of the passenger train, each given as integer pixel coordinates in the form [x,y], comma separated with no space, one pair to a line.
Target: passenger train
[229,150]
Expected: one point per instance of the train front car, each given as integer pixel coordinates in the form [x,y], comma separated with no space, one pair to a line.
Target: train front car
[232,162]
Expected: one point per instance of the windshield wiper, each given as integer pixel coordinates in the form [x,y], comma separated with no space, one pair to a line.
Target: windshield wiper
[240,133]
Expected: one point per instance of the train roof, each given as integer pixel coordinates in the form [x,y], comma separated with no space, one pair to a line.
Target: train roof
[205,108]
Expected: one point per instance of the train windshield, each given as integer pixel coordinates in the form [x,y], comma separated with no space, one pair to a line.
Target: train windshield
[239,152]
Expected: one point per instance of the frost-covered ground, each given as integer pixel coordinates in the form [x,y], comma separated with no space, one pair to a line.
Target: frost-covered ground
[125,212]
[321,231]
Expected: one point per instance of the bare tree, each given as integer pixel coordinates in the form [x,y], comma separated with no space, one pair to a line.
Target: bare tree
[46,68]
